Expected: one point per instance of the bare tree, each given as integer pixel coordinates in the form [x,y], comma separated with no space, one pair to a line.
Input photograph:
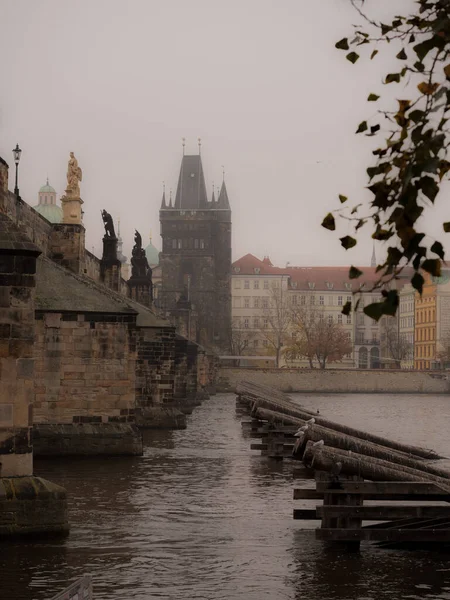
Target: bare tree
[276,317]
[394,345]
[317,338]
[240,339]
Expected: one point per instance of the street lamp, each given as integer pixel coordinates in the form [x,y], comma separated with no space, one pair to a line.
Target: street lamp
[16,153]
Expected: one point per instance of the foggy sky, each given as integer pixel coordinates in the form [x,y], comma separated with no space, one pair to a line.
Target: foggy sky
[120,83]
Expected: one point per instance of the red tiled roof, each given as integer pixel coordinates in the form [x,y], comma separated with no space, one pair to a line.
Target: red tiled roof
[323,278]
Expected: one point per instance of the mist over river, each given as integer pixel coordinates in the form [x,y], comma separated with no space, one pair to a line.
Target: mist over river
[202,516]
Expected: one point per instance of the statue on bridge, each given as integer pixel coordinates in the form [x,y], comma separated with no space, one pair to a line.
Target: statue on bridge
[109,225]
[74,176]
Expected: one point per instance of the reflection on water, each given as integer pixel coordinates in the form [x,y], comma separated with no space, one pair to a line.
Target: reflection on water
[200,516]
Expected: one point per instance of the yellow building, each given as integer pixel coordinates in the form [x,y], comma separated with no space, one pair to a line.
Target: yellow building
[425,325]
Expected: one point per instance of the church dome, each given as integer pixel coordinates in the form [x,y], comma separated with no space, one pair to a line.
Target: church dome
[51,212]
[152,254]
[47,189]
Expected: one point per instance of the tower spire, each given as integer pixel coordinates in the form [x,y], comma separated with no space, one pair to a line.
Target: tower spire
[373,262]
[213,198]
[163,201]
[170,198]
[199,146]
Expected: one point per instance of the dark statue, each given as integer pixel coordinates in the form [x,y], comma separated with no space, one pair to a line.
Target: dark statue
[109,225]
[139,263]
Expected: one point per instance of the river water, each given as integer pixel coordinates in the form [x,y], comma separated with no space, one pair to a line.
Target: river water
[202,516]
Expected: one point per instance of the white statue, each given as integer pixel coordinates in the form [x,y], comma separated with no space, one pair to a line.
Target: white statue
[74,176]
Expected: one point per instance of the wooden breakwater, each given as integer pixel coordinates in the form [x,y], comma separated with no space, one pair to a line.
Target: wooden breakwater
[349,466]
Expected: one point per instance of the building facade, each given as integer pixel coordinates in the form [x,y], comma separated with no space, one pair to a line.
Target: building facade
[324,290]
[195,259]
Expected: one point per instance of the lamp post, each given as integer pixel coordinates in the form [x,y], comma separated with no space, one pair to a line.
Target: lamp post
[16,153]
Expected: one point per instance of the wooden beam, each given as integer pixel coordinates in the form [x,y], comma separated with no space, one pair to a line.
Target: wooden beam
[305,514]
[386,487]
[384,535]
[307,494]
[384,513]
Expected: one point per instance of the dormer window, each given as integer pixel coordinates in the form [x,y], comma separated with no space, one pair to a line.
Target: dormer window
[294,285]
[237,269]
[348,286]
[257,270]
[311,285]
[329,285]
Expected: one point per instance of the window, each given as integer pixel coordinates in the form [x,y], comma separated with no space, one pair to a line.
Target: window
[312,299]
[196,244]
[256,302]
[180,244]
[349,319]
[246,284]
[237,284]
[202,244]
[266,323]
[321,300]
[266,284]
[339,300]
[302,300]
[246,323]
[265,343]
[256,323]
[330,319]
[311,285]
[255,343]
[256,284]
[349,299]
[174,244]
[339,319]
[265,303]
[294,300]
[246,302]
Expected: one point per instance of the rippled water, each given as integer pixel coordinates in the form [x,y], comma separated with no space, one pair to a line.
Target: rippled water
[201,516]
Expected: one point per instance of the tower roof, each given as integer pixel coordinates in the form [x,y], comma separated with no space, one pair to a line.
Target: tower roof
[152,254]
[191,190]
[223,201]
[47,188]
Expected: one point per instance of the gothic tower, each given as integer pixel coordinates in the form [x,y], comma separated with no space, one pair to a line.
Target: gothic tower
[196,257]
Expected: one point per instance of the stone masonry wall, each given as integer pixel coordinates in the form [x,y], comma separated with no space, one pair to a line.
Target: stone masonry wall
[85,368]
[30,222]
[338,380]
[155,366]
[67,246]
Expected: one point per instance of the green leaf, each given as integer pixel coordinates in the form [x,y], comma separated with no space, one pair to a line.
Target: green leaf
[446,226]
[348,242]
[342,44]
[419,66]
[329,222]
[402,55]
[352,57]
[374,53]
[362,127]
[432,266]
[374,310]
[342,198]
[372,98]
[416,115]
[354,273]
[374,129]
[429,187]
[417,282]
[392,77]
[438,249]
[346,308]
[423,48]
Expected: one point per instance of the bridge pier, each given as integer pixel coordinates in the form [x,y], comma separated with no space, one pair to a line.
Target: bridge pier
[28,504]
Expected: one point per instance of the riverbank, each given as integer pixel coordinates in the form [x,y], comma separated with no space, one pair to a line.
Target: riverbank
[350,381]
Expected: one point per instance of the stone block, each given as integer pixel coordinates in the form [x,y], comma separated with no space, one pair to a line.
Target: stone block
[32,506]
